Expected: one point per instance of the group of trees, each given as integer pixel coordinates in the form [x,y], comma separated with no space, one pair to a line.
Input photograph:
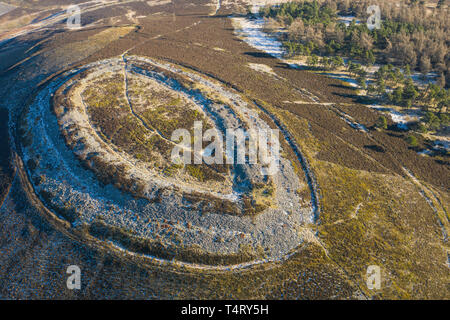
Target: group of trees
[403,92]
[410,34]
[431,121]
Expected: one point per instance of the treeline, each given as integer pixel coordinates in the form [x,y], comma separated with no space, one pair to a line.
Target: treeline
[410,35]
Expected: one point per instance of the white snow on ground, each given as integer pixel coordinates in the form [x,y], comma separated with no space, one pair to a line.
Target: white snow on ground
[348,119]
[251,31]
[257,4]
[52,20]
[425,152]
[158,2]
[296,64]
[441,144]
[347,20]
[402,119]
[352,123]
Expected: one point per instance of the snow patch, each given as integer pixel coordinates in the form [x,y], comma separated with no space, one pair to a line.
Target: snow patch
[158,3]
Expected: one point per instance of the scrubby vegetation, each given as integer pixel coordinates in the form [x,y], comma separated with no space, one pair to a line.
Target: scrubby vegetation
[203,173]
[109,112]
[192,254]
[145,132]
[336,269]
[412,38]
[409,35]
[433,122]
[362,229]
[6,169]
[66,211]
